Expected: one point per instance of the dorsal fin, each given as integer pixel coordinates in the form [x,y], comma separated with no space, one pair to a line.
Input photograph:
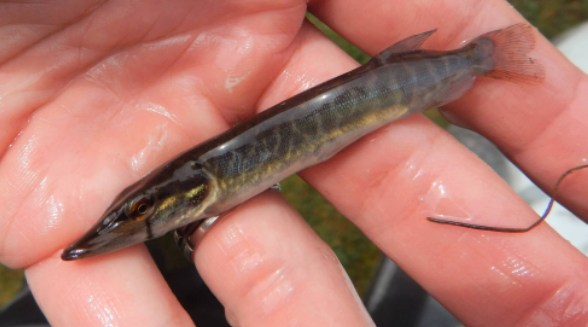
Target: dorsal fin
[411,43]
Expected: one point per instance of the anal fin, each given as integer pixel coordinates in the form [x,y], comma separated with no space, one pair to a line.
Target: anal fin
[454,91]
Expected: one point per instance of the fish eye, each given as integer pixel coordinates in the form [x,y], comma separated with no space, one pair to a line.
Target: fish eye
[140,207]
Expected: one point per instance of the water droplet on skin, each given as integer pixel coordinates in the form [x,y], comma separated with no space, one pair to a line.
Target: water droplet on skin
[157,109]
[418,174]
[233,81]
[438,202]
[155,143]
[273,291]
[54,211]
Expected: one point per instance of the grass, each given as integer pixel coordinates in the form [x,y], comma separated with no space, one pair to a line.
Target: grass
[553,17]
[357,254]
[11,282]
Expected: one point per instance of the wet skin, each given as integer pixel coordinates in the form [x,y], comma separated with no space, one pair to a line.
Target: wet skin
[126,92]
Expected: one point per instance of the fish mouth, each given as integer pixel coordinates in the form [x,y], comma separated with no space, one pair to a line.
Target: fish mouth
[73,252]
[98,240]
[113,232]
[90,245]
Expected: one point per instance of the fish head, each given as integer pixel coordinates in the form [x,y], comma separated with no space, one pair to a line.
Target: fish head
[169,198]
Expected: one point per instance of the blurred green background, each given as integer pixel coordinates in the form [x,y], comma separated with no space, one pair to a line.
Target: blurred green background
[358,255]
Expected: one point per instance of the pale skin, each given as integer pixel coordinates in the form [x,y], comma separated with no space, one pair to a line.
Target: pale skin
[101,93]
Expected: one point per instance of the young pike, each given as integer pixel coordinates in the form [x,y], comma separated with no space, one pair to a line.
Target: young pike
[309,128]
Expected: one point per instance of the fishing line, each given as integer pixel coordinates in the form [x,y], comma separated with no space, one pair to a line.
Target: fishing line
[510,229]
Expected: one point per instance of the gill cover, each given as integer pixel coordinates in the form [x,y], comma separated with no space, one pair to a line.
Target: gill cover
[168,198]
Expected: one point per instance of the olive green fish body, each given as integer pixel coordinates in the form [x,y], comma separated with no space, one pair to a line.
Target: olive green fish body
[302,131]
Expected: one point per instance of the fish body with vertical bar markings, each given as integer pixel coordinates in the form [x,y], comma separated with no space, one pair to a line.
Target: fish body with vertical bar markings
[302,131]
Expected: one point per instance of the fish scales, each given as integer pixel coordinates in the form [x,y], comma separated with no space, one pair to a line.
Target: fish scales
[314,128]
[307,129]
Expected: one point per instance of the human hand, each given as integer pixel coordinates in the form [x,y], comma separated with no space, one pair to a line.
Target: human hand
[104,92]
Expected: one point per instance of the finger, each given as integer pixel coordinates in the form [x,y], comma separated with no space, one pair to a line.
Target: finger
[116,133]
[124,289]
[54,44]
[128,114]
[24,25]
[269,268]
[388,182]
[526,122]
[498,279]
[48,46]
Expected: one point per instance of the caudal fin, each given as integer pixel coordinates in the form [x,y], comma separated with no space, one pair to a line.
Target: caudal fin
[502,54]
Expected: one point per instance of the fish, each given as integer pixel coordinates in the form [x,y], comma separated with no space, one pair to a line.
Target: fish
[311,127]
